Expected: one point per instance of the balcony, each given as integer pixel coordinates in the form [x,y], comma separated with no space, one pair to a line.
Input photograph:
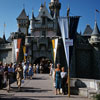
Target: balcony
[6,46]
[47,26]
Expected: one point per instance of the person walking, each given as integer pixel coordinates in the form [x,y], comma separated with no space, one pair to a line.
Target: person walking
[1,74]
[5,74]
[10,76]
[30,71]
[63,80]
[57,79]
[19,75]
[37,68]
[51,69]
[25,70]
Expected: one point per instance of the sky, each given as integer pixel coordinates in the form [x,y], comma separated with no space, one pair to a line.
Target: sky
[10,10]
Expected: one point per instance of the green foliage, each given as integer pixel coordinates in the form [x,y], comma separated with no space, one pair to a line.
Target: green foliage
[96,97]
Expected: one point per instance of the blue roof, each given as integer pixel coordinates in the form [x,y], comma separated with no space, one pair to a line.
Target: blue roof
[88,30]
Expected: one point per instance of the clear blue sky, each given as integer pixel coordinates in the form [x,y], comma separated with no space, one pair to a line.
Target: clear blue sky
[10,10]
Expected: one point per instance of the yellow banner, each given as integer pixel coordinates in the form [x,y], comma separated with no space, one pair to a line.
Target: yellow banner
[54,45]
[24,50]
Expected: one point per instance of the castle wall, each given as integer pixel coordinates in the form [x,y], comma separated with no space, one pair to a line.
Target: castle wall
[84,66]
[96,62]
[6,53]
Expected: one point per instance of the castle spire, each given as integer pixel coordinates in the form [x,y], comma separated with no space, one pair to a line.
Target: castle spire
[54,0]
[33,14]
[54,7]
[44,3]
[96,29]
[4,38]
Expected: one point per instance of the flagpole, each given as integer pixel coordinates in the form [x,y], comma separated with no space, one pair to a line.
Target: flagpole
[68,10]
[95,15]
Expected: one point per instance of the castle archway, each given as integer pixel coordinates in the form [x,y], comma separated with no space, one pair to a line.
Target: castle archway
[44,62]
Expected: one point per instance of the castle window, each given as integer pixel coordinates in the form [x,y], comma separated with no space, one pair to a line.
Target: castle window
[43,20]
[43,33]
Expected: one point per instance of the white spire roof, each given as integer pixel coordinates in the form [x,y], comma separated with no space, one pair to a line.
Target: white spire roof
[96,29]
[54,0]
[43,11]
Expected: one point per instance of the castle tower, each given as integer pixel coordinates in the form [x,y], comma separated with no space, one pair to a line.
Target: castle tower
[95,37]
[23,22]
[95,42]
[32,22]
[54,7]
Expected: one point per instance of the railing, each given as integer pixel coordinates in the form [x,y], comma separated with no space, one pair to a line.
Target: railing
[94,40]
[50,25]
[6,46]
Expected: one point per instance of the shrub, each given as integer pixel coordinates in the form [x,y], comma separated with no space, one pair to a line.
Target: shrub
[96,97]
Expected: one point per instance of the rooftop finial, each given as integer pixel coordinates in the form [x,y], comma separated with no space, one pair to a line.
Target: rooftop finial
[32,13]
[68,10]
[23,6]
[95,16]
[4,28]
[44,3]
[4,31]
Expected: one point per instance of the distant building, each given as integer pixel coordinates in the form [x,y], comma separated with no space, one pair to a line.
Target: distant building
[84,55]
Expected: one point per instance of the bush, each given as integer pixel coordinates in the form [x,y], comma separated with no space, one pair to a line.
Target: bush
[96,97]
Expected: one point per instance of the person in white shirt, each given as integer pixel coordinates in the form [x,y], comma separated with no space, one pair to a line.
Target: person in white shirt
[63,80]
[24,70]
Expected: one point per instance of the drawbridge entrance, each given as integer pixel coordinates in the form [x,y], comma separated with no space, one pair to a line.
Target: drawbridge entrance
[43,63]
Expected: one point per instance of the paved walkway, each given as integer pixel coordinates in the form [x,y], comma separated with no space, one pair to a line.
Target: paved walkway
[39,88]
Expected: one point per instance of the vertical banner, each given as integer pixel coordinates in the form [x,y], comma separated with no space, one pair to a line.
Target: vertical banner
[63,23]
[54,45]
[24,51]
[18,47]
[15,49]
[17,44]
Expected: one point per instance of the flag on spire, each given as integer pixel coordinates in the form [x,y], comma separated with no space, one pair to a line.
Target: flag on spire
[97,11]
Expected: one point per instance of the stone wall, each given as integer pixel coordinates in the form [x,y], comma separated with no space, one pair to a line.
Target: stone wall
[6,56]
[96,62]
[84,59]
[6,53]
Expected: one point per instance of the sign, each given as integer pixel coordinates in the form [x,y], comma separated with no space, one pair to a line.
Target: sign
[69,42]
[25,54]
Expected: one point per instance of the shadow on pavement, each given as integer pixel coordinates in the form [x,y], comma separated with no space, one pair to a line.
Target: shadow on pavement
[28,89]
[15,98]
[37,78]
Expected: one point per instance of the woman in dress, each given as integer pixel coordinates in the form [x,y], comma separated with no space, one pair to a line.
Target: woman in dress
[57,78]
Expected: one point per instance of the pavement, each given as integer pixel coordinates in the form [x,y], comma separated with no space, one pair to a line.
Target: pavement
[39,88]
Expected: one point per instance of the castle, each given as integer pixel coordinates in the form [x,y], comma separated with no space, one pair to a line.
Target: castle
[85,53]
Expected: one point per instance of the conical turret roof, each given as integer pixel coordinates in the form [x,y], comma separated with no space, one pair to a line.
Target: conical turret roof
[33,14]
[88,30]
[96,29]
[43,12]
[22,15]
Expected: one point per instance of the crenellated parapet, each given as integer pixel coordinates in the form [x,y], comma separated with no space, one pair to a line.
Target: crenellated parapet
[6,46]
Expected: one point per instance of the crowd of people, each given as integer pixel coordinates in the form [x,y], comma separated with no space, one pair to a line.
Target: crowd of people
[25,70]
[17,72]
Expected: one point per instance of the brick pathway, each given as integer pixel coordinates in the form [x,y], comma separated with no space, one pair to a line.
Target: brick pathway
[39,88]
